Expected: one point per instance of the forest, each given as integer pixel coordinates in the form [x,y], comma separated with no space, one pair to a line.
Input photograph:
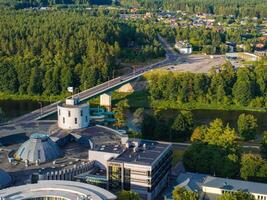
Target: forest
[42,53]
[226,86]
[238,8]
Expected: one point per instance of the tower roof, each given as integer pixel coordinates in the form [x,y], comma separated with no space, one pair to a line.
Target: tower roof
[38,148]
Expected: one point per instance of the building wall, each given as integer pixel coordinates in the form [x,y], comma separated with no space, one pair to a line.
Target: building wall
[101,158]
[219,191]
[185,50]
[146,180]
[75,117]
[212,190]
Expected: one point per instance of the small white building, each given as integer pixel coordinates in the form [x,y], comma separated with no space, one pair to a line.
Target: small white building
[73,115]
[183,47]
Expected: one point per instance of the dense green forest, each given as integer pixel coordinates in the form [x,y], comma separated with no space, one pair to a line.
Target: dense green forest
[33,3]
[238,8]
[227,86]
[45,52]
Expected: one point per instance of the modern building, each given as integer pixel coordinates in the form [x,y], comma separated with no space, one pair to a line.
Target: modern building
[210,187]
[73,115]
[5,179]
[143,167]
[38,149]
[56,190]
[93,154]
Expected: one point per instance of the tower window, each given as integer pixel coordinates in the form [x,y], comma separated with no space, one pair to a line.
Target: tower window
[39,154]
[59,112]
[69,113]
[81,113]
[75,120]
[63,120]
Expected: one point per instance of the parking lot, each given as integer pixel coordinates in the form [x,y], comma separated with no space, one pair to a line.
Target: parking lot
[197,63]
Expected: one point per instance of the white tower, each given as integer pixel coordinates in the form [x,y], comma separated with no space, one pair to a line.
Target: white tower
[72,115]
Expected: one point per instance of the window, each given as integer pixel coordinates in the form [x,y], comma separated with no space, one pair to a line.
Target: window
[81,113]
[39,154]
[59,112]
[63,120]
[86,118]
[75,120]
[69,113]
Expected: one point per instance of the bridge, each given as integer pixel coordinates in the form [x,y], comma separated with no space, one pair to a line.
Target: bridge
[110,85]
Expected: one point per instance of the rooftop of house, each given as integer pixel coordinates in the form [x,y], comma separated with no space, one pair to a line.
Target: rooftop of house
[195,182]
[234,185]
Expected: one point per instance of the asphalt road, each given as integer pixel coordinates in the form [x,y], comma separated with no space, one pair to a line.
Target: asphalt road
[171,57]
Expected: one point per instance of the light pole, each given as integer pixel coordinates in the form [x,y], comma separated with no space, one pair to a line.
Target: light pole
[41,107]
[76,91]
[134,70]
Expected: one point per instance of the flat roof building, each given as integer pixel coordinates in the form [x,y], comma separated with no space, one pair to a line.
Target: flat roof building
[143,167]
[210,187]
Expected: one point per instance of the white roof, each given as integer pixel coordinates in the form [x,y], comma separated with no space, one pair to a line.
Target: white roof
[235,185]
[68,190]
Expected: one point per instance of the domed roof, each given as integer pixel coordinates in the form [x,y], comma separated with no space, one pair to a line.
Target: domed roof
[5,179]
[38,148]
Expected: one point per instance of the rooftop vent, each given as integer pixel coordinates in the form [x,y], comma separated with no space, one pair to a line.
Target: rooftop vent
[144,146]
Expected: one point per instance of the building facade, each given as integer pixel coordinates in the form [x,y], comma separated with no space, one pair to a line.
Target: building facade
[143,168]
[73,115]
[211,187]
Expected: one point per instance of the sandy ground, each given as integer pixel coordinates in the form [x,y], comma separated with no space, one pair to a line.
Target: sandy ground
[197,63]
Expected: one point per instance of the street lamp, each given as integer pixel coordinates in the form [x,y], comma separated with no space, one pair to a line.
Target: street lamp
[41,106]
[134,70]
[77,91]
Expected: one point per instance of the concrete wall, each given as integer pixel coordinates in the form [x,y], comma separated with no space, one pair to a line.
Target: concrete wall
[101,158]
[75,120]
[219,191]
[105,100]
[67,174]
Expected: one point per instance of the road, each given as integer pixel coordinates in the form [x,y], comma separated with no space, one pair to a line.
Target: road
[171,58]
